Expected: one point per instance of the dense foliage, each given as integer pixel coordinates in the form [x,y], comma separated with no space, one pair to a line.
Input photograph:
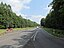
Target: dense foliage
[55,19]
[42,22]
[9,19]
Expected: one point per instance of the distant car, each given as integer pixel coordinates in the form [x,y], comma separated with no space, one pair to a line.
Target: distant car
[37,27]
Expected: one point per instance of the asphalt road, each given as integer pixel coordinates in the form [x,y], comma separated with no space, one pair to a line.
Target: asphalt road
[16,39]
[45,40]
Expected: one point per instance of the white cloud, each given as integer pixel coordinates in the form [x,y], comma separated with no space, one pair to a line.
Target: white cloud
[17,5]
[24,16]
[47,9]
[35,18]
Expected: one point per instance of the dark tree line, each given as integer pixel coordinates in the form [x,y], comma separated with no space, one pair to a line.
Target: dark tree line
[42,22]
[9,19]
[55,18]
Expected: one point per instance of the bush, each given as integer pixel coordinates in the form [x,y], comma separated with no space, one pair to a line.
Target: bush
[2,27]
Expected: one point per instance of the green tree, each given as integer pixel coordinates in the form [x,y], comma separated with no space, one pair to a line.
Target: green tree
[42,22]
[9,19]
[55,19]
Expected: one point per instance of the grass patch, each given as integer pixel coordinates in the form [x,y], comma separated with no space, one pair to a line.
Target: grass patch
[55,32]
[27,28]
[2,31]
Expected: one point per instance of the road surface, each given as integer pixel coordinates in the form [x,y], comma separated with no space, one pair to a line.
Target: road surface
[45,40]
[16,39]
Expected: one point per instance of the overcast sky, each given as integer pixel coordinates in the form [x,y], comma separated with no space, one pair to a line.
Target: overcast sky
[30,9]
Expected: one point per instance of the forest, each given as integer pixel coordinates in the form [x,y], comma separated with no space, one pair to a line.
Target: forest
[55,18]
[9,19]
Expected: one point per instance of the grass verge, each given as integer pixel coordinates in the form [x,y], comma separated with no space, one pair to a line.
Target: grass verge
[27,28]
[55,32]
[2,31]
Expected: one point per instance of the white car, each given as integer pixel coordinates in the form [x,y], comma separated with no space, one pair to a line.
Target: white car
[37,27]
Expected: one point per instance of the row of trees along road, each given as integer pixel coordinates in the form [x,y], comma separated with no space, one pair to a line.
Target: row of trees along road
[9,19]
[55,18]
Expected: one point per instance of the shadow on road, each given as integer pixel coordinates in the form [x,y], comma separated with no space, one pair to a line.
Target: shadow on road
[27,31]
[29,44]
